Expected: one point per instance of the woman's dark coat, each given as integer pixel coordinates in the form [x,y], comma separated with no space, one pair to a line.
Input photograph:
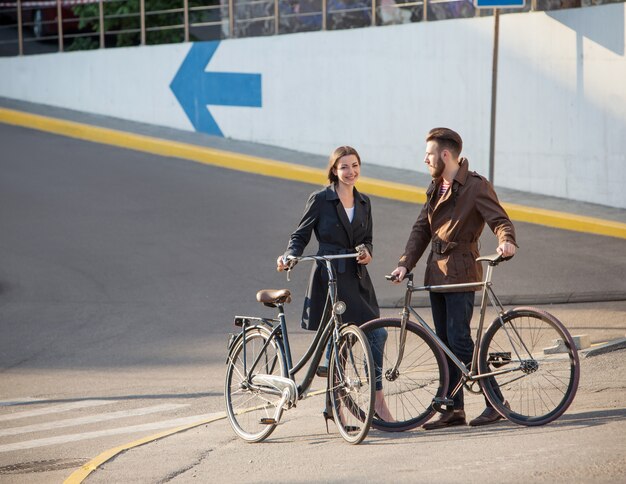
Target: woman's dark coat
[325,215]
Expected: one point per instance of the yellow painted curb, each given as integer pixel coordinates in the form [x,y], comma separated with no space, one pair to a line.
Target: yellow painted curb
[566,221]
[288,171]
[81,474]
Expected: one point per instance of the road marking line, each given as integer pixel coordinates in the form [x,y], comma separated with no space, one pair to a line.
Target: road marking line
[277,169]
[63,439]
[91,419]
[55,409]
[22,401]
[81,474]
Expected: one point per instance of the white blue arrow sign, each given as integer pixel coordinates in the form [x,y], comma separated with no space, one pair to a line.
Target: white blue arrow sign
[196,89]
[499,3]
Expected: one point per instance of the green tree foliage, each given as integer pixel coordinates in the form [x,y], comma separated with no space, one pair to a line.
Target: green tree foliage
[164,22]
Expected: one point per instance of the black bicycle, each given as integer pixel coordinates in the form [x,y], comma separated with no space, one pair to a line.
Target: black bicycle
[525,363]
[260,376]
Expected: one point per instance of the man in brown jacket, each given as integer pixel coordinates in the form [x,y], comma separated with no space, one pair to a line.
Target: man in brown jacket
[459,203]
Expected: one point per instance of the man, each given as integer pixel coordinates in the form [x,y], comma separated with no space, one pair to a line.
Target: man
[459,203]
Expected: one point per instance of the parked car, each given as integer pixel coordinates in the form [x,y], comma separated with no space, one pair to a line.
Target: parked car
[41,17]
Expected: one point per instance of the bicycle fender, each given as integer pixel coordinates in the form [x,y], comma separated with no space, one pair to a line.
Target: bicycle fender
[235,338]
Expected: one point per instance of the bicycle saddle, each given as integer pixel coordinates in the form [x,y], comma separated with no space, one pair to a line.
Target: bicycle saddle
[272,297]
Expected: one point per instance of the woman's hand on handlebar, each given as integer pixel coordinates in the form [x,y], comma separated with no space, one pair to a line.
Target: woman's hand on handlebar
[364,255]
[399,273]
[284,264]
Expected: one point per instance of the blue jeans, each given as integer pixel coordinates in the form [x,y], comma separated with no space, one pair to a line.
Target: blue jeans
[452,315]
[377,339]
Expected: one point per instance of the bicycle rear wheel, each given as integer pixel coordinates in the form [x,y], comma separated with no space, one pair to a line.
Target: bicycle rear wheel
[351,384]
[421,376]
[543,365]
[247,407]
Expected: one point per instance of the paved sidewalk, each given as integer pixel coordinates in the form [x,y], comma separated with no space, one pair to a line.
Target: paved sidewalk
[587,439]
[584,445]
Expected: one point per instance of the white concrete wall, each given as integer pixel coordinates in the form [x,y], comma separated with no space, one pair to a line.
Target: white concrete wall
[561,112]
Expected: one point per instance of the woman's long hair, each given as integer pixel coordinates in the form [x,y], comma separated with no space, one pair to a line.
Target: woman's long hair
[336,156]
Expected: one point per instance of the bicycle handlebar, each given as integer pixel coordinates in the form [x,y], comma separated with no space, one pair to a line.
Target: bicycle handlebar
[291,260]
[321,257]
[393,278]
[493,260]
[295,259]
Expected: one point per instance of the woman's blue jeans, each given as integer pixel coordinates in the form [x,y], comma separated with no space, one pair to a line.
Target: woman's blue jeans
[376,339]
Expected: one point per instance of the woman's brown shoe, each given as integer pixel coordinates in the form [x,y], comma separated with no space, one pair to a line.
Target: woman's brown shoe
[448,419]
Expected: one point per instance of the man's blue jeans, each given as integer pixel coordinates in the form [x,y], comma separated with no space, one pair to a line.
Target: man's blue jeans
[452,315]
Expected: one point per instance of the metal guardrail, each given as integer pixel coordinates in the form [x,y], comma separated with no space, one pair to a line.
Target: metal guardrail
[102,23]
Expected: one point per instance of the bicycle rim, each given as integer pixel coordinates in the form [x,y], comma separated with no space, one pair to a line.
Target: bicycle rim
[351,388]
[421,376]
[245,407]
[544,363]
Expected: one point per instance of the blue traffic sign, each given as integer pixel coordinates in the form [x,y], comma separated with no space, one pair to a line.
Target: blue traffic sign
[197,89]
[499,3]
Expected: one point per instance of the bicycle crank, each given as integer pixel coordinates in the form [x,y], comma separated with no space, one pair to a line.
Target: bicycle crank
[276,384]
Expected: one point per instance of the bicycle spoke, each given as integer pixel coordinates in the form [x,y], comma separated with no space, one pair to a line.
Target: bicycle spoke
[544,383]
[410,391]
[246,407]
[352,392]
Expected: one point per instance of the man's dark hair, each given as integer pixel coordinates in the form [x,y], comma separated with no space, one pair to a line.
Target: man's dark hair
[446,140]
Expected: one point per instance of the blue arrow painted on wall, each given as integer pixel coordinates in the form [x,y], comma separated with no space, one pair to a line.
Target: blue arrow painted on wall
[196,89]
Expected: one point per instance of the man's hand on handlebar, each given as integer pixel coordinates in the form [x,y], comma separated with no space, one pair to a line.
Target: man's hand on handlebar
[506,249]
[398,273]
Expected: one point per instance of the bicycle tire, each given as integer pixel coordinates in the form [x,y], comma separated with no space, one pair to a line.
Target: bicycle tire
[245,407]
[422,375]
[352,391]
[544,384]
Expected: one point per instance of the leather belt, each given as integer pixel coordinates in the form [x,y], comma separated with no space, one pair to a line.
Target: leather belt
[442,247]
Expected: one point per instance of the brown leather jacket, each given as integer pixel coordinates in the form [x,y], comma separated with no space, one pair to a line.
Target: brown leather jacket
[452,225]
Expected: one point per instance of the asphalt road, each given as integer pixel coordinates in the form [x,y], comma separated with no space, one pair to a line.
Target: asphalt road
[120,273]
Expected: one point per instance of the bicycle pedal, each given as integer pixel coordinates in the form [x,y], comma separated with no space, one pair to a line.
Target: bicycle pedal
[440,402]
[268,421]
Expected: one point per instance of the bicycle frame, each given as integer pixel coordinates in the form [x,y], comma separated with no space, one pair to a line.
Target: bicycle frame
[473,373]
[279,333]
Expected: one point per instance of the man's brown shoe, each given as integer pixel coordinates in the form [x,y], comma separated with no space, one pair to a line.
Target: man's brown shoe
[489,416]
[448,419]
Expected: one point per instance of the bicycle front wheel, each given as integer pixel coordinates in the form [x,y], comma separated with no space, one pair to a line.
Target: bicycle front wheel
[539,364]
[407,393]
[246,407]
[350,375]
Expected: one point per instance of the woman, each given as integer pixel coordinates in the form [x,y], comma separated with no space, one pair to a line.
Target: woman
[341,219]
